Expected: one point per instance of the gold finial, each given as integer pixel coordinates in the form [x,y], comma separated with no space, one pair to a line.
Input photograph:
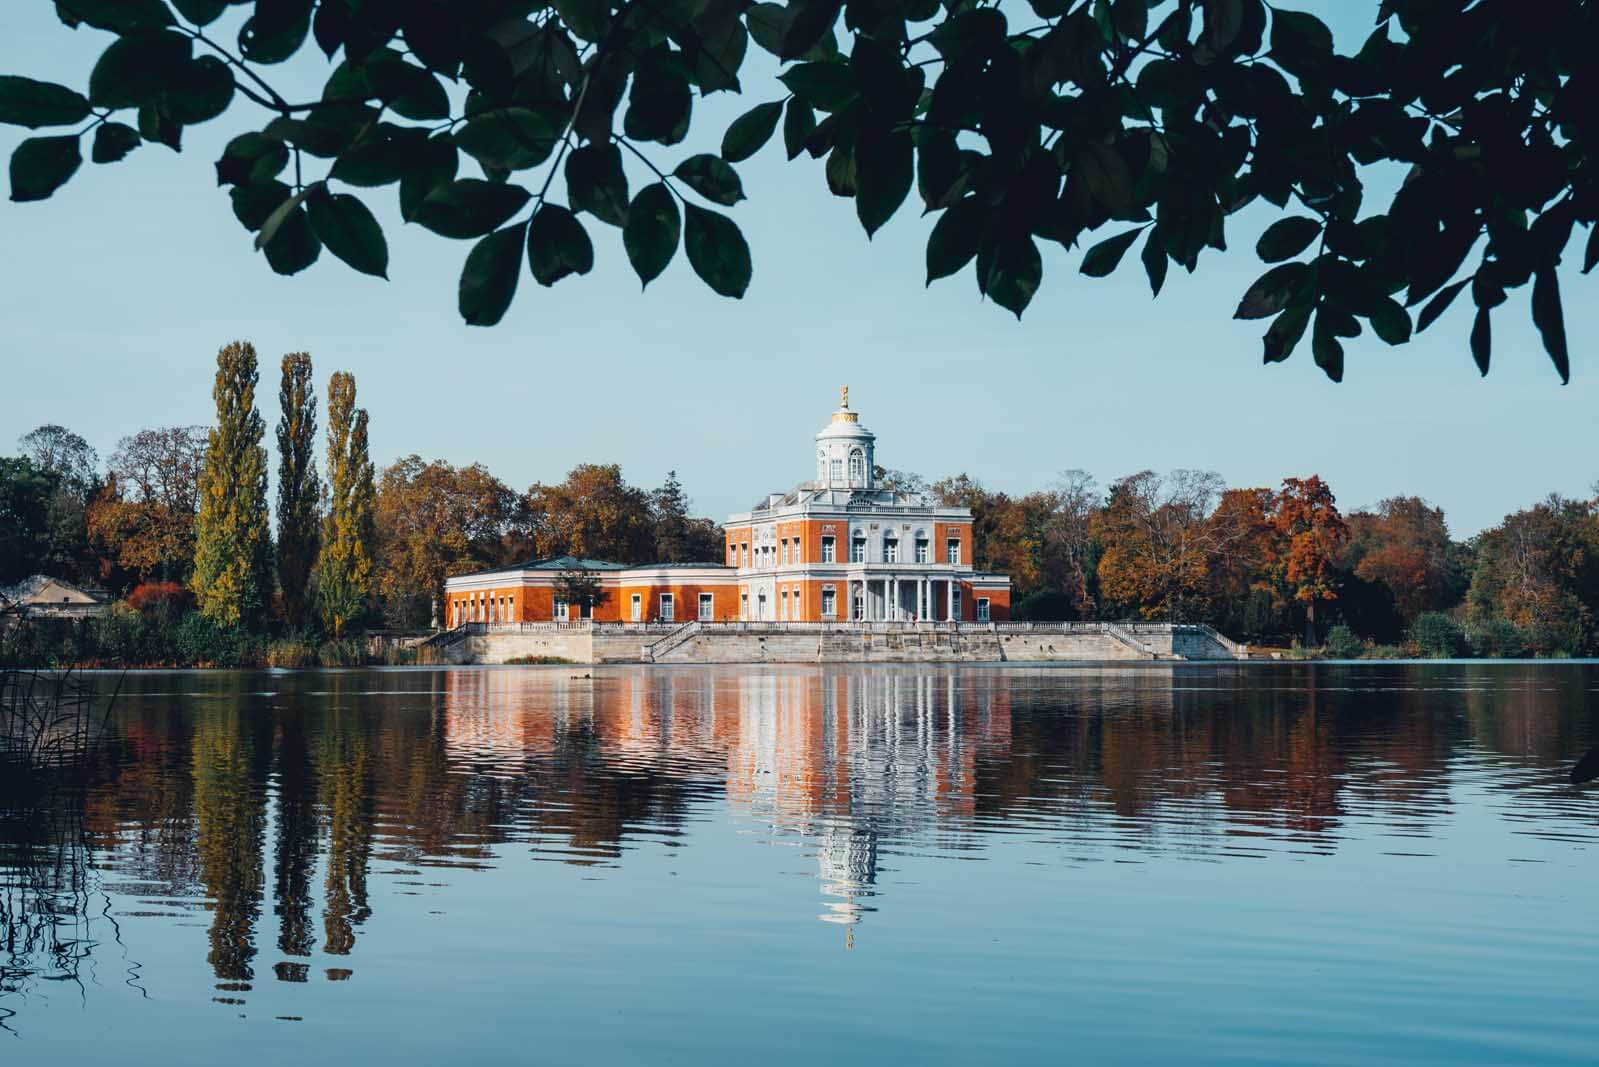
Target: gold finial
[844,402]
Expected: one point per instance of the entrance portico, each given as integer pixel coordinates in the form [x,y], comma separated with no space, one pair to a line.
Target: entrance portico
[903,598]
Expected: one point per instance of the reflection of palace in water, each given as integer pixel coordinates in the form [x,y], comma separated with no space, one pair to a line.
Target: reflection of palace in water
[278,804]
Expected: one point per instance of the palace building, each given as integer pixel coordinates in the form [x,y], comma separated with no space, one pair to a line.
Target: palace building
[840,548]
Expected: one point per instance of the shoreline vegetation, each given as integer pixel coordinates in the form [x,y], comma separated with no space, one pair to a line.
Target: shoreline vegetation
[176,533]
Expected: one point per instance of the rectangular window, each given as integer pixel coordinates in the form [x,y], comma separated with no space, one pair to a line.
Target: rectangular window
[638,607]
[558,613]
[732,555]
[744,554]
[782,604]
[952,550]
[955,603]
[857,550]
[891,550]
[827,550]
[510,609]
[707,607]
[743,607]
[666,608]
[797,556]
[784,552]
[982,609]
[921,550]
[829,602]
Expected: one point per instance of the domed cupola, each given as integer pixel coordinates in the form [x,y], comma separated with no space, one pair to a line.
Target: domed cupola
[844,450]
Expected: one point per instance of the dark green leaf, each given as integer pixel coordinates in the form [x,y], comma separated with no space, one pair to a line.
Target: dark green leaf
[251,157]
[113,141]
[254,202]
[659,106]
[711,177]
[25,102]
[118,16]
[385,153]
[1103,171]
[938,169]
[295,246]
[1286,238]
[716,251]
[1009,271]
[200,91]
[276,30]
[557,245]
[200,12]
[1103,257]
[410,91]
[1326,348]
[955,238]
[718,46]
[811,19]
[282,213]
[1590,255]
[1481,341]
[1285,331]
[1299,42]
[329,129]
[884,171]
[595,183]
[799,122]
[750,131]
[349,231]
[1155,262]
[137,69]
[1130,18]
[41,165]
[513,137]
[488,280]
[1390,321]
[1550,320]
[1438,304]
[432,165]
[468,207]
[825,86]
[587,19]
[1272,291]
[652,231]
[157,127]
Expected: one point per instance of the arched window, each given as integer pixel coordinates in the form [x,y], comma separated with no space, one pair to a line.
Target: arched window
[857,467]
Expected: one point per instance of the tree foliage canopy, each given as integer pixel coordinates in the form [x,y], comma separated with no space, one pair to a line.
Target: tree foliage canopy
[1108,123]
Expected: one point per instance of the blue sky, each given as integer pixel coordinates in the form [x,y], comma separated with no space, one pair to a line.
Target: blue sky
[120,289]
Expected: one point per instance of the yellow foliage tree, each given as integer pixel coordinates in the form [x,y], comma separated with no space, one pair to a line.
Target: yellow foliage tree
[231,543]
[344,571]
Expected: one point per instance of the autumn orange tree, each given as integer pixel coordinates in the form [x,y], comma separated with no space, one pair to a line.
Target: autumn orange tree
[1405,544]
[1157,542]
[1311,535]
[1104,123]
[142,521]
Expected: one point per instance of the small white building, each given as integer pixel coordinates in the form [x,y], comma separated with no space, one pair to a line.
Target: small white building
[42,595]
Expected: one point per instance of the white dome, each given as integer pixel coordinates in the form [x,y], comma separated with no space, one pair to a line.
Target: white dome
[844,450]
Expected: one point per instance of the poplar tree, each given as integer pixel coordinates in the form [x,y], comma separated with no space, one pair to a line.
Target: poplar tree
[299,488]
[231,542]
[345,573]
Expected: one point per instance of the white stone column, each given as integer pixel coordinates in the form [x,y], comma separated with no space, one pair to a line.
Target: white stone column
[949,599]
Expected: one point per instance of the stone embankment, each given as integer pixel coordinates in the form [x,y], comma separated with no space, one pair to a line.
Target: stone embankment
[868,642]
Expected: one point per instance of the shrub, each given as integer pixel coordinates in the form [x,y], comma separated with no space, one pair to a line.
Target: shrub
[344,652]
[160,596]
[200,642]
[1500,639]
[291,653]
[1437,636]
[1342,643]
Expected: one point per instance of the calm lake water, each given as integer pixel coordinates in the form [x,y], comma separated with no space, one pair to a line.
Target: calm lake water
[1273,862]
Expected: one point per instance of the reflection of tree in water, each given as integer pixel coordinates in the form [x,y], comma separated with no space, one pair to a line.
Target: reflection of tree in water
[232,752]
[296,846]
[346,784]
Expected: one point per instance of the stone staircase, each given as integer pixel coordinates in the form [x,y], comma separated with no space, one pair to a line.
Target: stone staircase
[654,653]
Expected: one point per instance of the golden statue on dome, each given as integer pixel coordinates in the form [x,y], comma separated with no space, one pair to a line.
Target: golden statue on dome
[844,402]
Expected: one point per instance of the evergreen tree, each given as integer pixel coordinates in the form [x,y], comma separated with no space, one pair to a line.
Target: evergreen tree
[344,574]
[669,507]
[231,543]
[299,489]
